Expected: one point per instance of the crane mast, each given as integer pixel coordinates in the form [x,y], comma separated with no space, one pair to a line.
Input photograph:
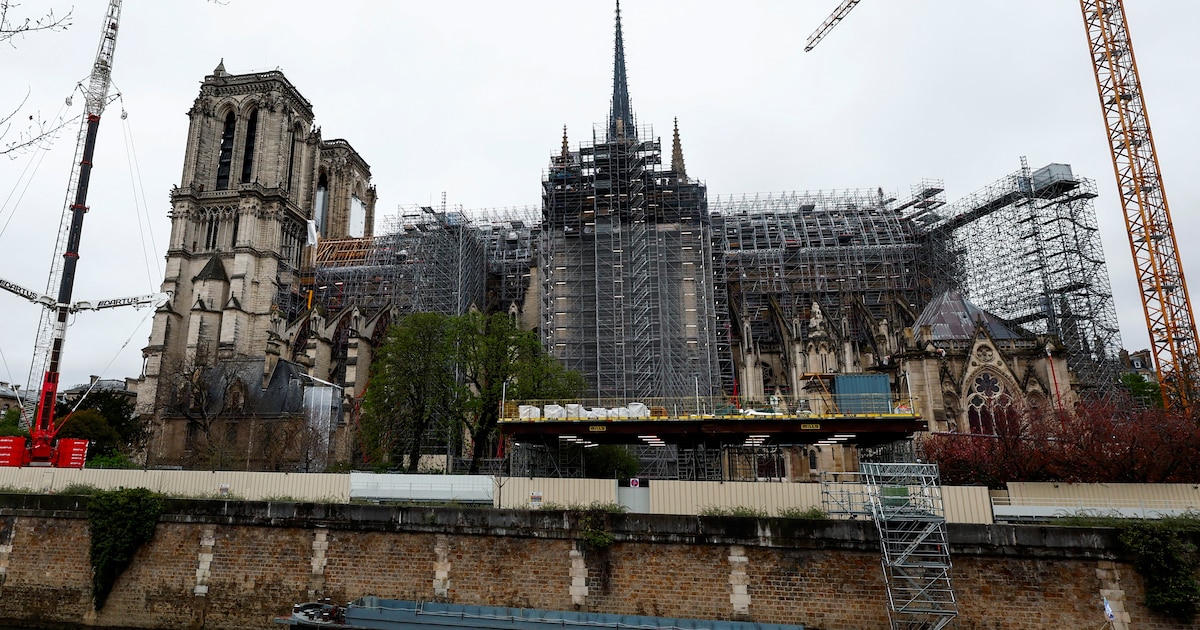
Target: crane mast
[53,325]
[1161,284]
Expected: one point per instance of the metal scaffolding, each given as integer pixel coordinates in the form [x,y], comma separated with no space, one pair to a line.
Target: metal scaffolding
[625,269]
[423,262]
[509,237]
[905,501]
[849,252]
[1027,249]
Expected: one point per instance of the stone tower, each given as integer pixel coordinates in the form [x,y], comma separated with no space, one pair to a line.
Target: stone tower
[259,186]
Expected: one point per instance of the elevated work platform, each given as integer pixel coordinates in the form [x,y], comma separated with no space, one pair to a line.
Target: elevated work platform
[715,422]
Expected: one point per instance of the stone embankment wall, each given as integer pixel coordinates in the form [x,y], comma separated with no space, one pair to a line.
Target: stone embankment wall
[216,564]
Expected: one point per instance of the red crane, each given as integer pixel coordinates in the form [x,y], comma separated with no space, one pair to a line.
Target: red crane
[1165,301]
[52,329]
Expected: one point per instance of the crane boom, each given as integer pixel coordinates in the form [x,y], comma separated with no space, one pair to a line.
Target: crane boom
[96,98]
[53,326]
[830,22]
[1164,293]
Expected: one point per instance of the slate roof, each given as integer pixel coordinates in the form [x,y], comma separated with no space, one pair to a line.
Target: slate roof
[214,270]
[951,316]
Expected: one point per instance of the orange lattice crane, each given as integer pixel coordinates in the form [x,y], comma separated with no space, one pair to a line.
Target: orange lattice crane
[1165,300]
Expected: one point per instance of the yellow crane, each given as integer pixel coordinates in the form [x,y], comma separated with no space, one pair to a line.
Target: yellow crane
[1165,301]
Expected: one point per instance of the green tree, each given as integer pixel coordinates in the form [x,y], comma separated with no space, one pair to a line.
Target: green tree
[91,425]
[118,410]
[412,389]
[610,461]
[498,361]
[1144,392]
[10,424]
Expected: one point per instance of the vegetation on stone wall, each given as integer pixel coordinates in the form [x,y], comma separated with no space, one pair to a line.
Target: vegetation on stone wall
[120,522]
[1167,563]
[1089,444]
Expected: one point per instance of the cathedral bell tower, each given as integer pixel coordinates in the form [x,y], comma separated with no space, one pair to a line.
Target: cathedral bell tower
[259,186]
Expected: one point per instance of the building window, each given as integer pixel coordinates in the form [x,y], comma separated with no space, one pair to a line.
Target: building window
[225,159]
[320,212]
[358,217]
[291,158]
[212,226]
[248,155]
[988,405]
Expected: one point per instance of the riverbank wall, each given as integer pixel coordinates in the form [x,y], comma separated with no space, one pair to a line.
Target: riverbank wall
[237,564]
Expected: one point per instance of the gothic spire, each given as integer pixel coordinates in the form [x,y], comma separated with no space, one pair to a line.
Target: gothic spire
[620,118]
[677,156]
[566,149]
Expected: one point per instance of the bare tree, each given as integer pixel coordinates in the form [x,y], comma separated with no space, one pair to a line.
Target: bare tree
[15,26]
[30,130]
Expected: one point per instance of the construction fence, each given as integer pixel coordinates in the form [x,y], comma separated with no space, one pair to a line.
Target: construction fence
[963,504]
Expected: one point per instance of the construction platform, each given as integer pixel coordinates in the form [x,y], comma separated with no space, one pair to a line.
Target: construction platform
[692,422]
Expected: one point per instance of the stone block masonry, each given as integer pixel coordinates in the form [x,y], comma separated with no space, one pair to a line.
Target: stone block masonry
[227,565]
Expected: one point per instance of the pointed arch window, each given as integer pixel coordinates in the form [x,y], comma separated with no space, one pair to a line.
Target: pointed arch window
[988,405]
[320,212]
[248,154]
[291,158]
[225,158]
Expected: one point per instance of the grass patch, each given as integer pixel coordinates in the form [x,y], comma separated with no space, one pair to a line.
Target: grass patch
[813,513]
[738,510]
[79,489]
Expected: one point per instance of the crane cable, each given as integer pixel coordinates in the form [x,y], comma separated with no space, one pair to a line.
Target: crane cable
[41,149]
[139,205]
[21,406]
[149,311]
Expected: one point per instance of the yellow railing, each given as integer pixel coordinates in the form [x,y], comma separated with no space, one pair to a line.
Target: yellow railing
[706,407]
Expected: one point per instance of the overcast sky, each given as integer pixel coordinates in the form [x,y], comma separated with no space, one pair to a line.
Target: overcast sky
[470,96]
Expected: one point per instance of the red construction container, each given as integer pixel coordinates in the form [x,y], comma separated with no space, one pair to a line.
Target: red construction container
[12,451]
[71,453]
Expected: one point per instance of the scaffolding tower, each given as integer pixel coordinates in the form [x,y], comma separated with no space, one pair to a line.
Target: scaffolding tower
[850,252]
[625,269]
[906,505]
[509,237]
[425,261]
[1027,249]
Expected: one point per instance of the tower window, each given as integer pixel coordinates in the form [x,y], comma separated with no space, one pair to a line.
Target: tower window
[212,226]
[320,212]
[358,217]
[226,156]
[291,158]
[248,155]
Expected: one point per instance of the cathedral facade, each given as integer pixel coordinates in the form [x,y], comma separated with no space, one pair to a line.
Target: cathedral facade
[259,186]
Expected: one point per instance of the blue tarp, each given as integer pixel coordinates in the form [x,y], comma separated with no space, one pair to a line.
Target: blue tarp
[391,614]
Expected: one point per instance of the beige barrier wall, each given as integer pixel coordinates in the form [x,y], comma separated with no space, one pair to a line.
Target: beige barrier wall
[967,504]
[1181,494]
[187,483]
[515,492]
[691,497]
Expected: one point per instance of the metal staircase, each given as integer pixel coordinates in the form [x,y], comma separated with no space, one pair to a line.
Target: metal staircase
[905,502]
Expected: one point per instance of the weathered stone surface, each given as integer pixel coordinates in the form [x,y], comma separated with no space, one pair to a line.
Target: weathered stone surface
[256,559]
